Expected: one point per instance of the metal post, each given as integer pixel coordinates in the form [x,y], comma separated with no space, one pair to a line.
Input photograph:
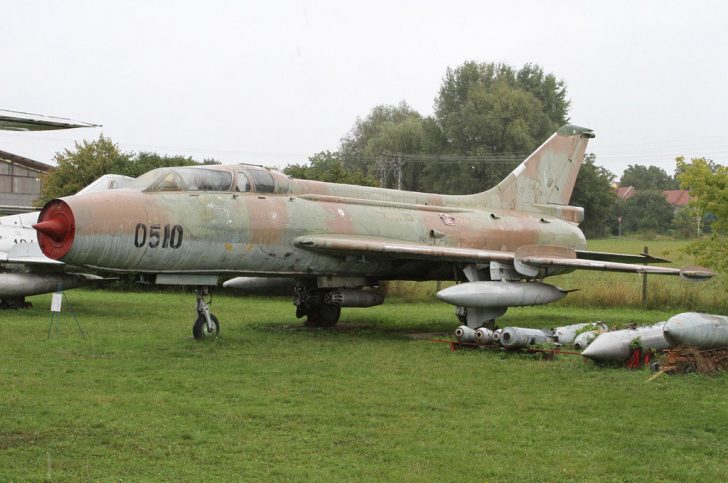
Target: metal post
[644,283]
[698,217]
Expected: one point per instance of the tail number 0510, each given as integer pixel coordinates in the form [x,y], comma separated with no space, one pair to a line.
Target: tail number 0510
[164,236]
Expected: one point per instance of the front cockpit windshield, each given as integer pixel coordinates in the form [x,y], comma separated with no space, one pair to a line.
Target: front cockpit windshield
[183,179]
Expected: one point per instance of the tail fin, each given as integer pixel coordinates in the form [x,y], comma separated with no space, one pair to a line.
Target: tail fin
[547,176]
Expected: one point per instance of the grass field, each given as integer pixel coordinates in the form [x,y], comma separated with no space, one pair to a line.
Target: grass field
[138,399]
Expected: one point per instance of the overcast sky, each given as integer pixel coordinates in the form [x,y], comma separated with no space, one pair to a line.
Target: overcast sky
[274,82]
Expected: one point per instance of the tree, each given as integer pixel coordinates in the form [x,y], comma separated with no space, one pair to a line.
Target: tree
[593,192]
[371,145]
[647,178]
[326,166]
[488,107]
[685,223]
[89,160]
[708,185]
[77,168]
[646,211]
[357,144]
[492,109]
[482,109]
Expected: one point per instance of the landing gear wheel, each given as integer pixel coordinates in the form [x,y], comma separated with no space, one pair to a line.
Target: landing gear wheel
[323,315]
[201,331]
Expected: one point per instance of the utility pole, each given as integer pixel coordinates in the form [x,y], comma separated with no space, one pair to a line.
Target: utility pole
[399,171]
[383,167]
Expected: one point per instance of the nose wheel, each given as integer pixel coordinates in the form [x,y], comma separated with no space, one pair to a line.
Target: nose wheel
[206,324]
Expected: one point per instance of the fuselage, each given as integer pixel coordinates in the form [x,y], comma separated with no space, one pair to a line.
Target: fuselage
[250,228]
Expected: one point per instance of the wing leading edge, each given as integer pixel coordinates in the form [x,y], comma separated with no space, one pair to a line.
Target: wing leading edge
[526,259]
[25,121]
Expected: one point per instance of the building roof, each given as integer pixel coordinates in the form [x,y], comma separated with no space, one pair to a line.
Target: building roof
[677,197]
[625,192]
[25,162]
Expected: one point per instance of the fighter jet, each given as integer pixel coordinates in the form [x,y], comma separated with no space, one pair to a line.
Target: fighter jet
[192,225]
[24,270]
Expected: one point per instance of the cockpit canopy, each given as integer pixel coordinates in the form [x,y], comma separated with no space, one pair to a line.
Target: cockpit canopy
[204,179]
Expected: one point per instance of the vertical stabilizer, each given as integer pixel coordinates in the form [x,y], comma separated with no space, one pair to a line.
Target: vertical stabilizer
[547,176]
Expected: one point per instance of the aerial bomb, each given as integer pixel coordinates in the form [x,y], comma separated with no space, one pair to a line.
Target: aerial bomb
[495,336]
[484,336]
[465,334]
[615,346]
[500,294]
[566,334]
[703,331]
[583,340]
[519,337]
[570,334]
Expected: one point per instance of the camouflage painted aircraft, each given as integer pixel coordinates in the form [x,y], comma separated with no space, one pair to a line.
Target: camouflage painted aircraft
[191,225]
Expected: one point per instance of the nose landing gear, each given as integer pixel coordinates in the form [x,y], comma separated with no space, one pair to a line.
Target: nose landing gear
[206,324]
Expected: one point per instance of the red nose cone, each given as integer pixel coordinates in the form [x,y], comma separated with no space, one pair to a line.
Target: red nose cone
[56,228]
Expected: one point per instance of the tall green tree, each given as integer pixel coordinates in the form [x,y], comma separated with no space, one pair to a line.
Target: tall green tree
[593,192]
[493,109]
[647,178]
[490,107]
[358,144]
[708,185]
[372,144]
[77,168]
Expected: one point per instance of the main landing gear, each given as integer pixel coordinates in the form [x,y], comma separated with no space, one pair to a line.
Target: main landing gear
[311,303]
[206,324]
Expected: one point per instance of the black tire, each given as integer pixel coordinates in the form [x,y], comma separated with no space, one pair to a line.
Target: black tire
[324,315]
[14,303]
[199,330]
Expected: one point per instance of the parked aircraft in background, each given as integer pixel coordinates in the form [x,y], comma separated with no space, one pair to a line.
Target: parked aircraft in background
[24,270]
[191,225]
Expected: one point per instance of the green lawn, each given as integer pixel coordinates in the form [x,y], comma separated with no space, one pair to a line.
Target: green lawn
[138,399]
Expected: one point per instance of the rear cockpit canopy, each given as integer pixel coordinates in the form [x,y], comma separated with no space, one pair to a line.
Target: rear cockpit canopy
[205,179]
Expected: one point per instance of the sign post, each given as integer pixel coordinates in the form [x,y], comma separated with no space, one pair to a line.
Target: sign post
[56,307]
